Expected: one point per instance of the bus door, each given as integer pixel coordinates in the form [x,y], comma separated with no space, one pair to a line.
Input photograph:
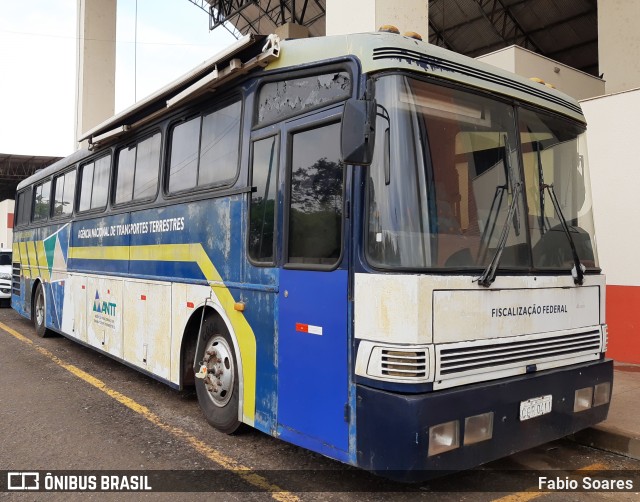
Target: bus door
[312,351]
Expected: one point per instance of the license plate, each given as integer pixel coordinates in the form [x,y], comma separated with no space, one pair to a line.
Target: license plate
[535,407]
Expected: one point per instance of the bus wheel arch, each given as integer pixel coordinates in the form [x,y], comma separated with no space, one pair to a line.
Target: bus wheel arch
[224,368]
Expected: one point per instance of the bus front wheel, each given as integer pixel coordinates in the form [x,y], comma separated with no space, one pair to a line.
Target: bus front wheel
[39,312]
[217,382]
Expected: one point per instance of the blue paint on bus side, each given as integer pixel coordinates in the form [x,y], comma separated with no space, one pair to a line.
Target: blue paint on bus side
[260,316]
[216,224]
[261,313]
[63,238]
[306,404]
[55,302]
[18,302]
[90,266]
[313,379]
[167,270]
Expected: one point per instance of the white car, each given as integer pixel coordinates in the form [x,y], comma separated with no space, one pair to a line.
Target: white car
[5,276]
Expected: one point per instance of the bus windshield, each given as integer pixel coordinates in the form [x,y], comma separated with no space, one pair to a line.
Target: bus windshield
[446,174]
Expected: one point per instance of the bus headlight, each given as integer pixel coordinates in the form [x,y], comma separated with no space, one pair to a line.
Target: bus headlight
[583,399]
[478,428]
[602,393]
[444,437]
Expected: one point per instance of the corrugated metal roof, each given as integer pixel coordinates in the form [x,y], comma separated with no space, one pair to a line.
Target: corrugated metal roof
[14,168]
[264,16]
[564,30]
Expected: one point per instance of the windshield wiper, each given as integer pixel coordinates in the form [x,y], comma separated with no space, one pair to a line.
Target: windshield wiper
[578,268]
[489,274]
[487,233]
[538,147]
[511,177]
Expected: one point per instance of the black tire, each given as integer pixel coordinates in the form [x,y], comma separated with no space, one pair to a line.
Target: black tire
[218,393]
[38,312]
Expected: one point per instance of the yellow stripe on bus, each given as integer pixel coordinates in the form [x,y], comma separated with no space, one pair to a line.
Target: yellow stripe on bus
[41,256]
[100,253]
[24,260]
[193,253]
[33,262]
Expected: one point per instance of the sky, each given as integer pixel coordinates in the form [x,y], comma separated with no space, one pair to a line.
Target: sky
[38,63]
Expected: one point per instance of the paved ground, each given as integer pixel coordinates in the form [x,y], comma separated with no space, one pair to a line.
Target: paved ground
[63,406]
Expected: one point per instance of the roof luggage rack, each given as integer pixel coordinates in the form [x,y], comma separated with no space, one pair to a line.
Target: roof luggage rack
[250,52]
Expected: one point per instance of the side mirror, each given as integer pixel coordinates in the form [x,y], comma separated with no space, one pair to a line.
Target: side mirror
[358,133]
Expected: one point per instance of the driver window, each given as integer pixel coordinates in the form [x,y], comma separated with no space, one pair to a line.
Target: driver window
[315,197]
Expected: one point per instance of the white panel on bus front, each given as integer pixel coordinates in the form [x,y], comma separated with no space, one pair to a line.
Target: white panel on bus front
[422,309]
[487,313]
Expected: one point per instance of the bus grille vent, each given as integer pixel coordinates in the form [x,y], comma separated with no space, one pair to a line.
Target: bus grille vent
[15,279]
[482,356]
[397,363]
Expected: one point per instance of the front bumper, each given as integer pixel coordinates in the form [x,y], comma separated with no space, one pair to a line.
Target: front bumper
[393,429]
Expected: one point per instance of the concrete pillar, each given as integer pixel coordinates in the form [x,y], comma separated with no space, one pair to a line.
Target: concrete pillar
[619,44]
[529,64]
[96,63]
[289,31]
[357,16]
[611,134]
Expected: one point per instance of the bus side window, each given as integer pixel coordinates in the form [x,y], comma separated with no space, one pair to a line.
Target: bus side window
[204,150]
[65,186]
[94,184]
[24,207]
[315,205]
[137,170]
[183,163]
[219,146]
[42,200]
[263,199]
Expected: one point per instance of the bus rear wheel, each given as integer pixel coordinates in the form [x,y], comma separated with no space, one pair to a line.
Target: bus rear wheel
[39,312]
[217,388]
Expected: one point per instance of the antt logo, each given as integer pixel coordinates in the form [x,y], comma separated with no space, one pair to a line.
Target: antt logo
[103,307]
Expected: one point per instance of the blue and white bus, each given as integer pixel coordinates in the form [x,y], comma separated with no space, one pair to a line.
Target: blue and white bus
[365,245]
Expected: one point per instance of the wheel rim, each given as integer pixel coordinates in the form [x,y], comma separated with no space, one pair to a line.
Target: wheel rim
[220,378]
[40,310]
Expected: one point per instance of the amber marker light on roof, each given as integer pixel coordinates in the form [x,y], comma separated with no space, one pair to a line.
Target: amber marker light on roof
[413,34]
[389,28]
[542,82]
